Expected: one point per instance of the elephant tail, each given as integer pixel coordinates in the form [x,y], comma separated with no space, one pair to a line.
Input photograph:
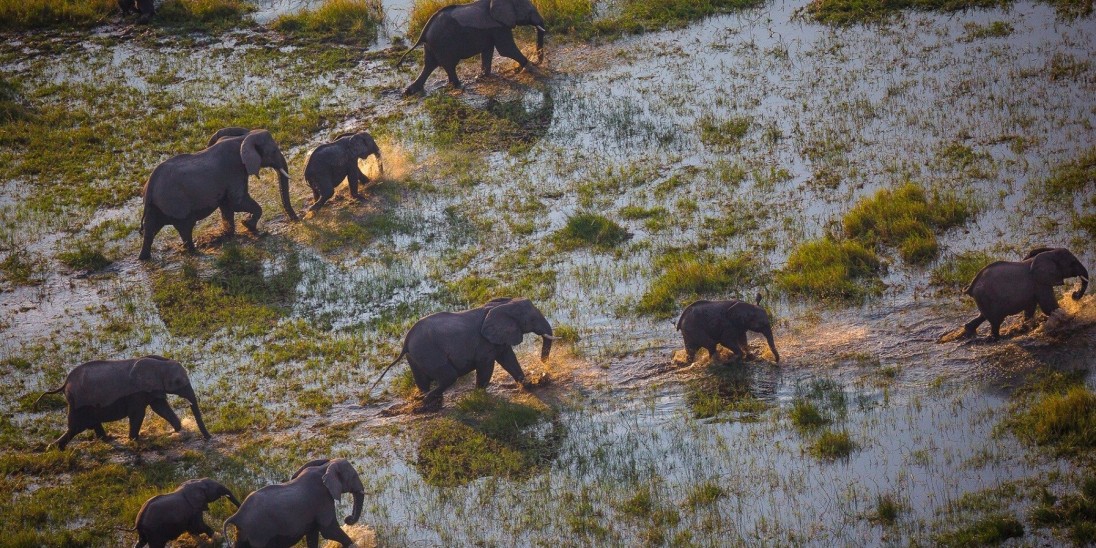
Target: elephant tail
[141,227]
[403,353]
[224,528]
[422,35]
[54,391]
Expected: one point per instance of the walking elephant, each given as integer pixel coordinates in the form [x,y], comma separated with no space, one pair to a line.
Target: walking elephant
[447,345]
[332,162]
[705,324]
[279,516]
[102,391]
[187,188]
[1005,288]
[163,518]
[458,32]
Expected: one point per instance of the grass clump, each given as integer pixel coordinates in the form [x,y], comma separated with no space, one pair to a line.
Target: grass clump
[688,275]
[84,256]
[807,417]
[832,269]
[500,125]
[906,218]
[204,15]
[1073,512]
[723,134]
[726,392]
[1073,176]
[957,271]
[644,15]
[847,12]
[19,267]
[996,29]
[590,230]
[831,445]
[1061,419]
[704,494]
[339,20]
[887,509]
[12,103]
[37,14]
[988,531]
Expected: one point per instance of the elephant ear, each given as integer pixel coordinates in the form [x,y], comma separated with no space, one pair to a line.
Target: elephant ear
[337,477]
[195,493]
[359,145]
[149,374]
[503,12]
[249,150]
[1045,268]
[501,324]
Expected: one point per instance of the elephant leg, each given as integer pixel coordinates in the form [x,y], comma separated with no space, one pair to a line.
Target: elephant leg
[451,72]
[99,432]
[75,427]
[228,220]
[151,226]
[312,538]
[254,210]
[332,531]
[325,193]
[445,378]
[995,328]
[487,56]
[713,353]
[504,42]
[429,63]
[136,418]
[421,380]
[1029,312]
[744,345]
[199,527]
[127,6]
[161,407]
[484,373]
[1044,296]
[509,361]
[148,9]
[186,233]
[971,327]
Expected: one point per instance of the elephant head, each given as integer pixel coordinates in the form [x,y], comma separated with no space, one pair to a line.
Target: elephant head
[258,150]
[748,317]
[1051,266]
[511,13]
[339,477]
[361,145]
[155,374]
[509,319]
[201,492]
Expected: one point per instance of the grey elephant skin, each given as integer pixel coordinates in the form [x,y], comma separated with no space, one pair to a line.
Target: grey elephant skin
[444,346]
[163,518]
[187,188]
[458,32]
[706,324]
[103,391]
[332,162]
[279,516]
[145,8]
[1005,288]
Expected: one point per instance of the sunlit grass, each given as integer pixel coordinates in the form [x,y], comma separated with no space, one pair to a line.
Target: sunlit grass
[561,16]
[687,275]
[831,269]
[956,271]
[988,531]
[1064,421]
[206,15]
[36,14]
[590,230]
[343,20]
[907,218]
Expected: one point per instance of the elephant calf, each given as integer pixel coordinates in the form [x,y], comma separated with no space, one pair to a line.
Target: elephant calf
[1005,288]
[163,518]
[447,345]
[102,391]
[706,324]
[332,162]
[279,516]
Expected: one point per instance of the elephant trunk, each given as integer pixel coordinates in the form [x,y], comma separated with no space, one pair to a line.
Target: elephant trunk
[772,344]
[188,394]
[356,513]
[283,188]
[380,163]
[545,332]
[232,498]
[1084,284]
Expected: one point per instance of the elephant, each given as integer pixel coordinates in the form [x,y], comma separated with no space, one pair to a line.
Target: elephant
[187,188]
[704,324]
[145,7]
[458,32]
[1005,288]
[447,345]
[100,391]
[163,518]
[278,516]
[332,162]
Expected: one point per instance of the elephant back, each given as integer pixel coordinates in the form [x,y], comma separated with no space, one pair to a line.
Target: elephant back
[102,382]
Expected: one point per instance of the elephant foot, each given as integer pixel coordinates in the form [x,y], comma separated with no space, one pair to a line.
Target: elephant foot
[412,90]
[252,227]
[428,406]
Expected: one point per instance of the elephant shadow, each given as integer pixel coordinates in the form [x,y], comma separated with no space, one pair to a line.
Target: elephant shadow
[505,121]
[732,391]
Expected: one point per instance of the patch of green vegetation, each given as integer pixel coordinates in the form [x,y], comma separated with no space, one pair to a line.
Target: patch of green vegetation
[688,275]
[637,16]
[724,391]
[907,219]
[84,255]
[1073,512]
[956,271]
[18,15]
[204,15]
[704,494]
[996,29]
[12,104]
[832,269]
[1073,176]
[806,416]
[636,213]
[847,12]
[887,509]
[236,416]
[831,445]
[1060,418]
[590,230]
[473,290]
[723,134]
[349,231]
[488,436]
[19,267]
[988,531]
[501,125]
[350,21]
[567,16]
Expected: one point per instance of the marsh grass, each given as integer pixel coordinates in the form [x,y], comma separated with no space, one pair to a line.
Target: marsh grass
[204,15]
[637,16]
[590,230]
[1073,512]
[988,531]
[906,218]
[352,21]
[39,14]
[887,509]
[1062,419]
[996,29]
[725,391]
[832,445]
[688,275]
[956,271]
[826,268]
[501,125]
[20,267]
[723,134]
[1072,176]
[84,255]
[847,12]
[807,417]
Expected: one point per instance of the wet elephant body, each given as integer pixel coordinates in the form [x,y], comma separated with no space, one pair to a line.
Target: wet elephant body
[104,391]
[706,324]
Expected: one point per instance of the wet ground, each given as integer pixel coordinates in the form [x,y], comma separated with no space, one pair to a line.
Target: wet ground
[834,115]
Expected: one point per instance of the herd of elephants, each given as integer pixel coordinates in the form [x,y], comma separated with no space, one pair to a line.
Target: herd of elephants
[440,347]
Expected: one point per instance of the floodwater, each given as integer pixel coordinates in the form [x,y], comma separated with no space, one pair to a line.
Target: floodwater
[869,107]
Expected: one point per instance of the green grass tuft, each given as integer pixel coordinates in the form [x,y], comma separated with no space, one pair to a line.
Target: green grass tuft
[988,531]
[831,269]
[1073,176]
[350,21]
[907,219]
[724,391]
[957,271]
[203,15]
[723,134]
[887,509]
[590,230]
[84,256]
[832,445]
[847,12]
[688,275]
[1075,512]
[806,416]
[39,14]
[1063,420]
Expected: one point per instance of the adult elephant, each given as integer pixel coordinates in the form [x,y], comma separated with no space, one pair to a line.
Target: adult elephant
[1005,288]
[278,516]
[458,32]
[109,390]
[187,188]
[447,345]
[332,162]
[706,324]
[163,518]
